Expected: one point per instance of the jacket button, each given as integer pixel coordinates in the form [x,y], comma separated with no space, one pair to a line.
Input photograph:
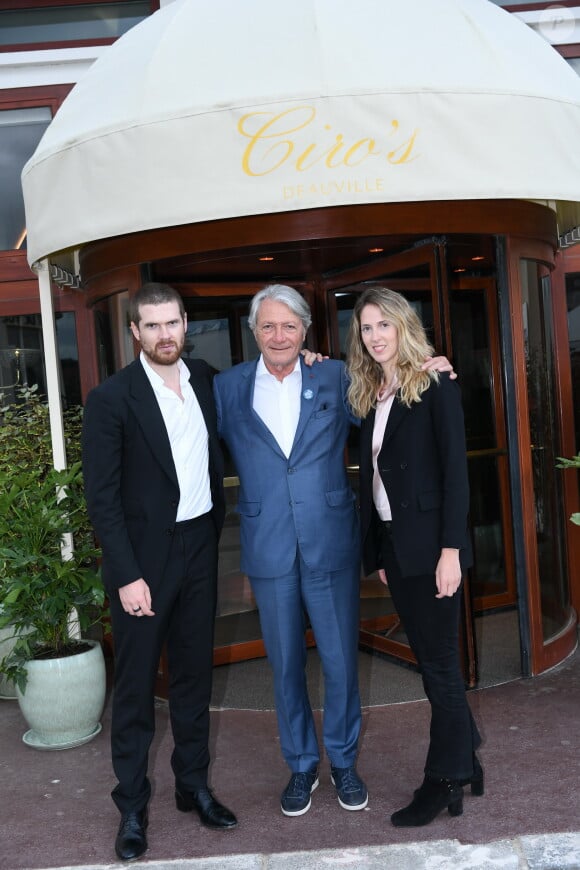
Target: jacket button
[169,531]
[403,465]
[404,504]
[384,470]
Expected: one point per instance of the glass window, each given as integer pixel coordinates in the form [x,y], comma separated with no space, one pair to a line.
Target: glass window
[20,133]
[544,431]
[208,338]
[113,334]
[70,23]
[574,63]
[22,355]
[573,306]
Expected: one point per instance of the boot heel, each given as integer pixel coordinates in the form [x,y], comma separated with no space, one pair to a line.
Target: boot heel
[476,781]
[455,808]
[477,788]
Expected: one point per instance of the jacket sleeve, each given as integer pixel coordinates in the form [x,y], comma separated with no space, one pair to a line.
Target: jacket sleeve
[102,452]
[449,431]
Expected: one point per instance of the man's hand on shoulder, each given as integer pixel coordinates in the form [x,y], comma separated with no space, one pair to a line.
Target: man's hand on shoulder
[439,364]
[310,356]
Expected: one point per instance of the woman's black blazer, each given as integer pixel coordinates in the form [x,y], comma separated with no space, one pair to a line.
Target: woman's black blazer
[423,466]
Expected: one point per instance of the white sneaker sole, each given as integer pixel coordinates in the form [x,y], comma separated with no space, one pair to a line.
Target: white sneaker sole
[357,807]
[350,806]
[306,808]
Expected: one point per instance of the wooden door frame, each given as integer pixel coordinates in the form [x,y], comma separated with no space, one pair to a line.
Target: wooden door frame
[544,655]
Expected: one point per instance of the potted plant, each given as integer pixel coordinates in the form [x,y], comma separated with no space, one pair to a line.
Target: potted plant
[570,463]
[50,591]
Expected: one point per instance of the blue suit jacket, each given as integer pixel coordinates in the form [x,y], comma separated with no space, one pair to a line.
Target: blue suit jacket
[302,501]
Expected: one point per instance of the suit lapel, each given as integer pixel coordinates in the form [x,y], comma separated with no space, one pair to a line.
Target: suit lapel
[397,414]
[366,436]
[146,409]
[308,397]
[247,401]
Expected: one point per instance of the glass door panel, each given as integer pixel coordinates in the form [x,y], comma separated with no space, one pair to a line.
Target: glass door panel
[474,339]
[549,519]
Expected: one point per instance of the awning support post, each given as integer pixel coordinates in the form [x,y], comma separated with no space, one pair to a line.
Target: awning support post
[51,363]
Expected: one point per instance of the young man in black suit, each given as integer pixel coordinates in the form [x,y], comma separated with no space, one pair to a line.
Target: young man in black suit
[153,475]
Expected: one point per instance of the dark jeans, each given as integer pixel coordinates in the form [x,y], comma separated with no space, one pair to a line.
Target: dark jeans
[432,627]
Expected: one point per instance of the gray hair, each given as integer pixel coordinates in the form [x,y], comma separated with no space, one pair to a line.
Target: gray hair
[281,293]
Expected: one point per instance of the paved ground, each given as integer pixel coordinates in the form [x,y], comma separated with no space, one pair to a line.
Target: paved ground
[55,809]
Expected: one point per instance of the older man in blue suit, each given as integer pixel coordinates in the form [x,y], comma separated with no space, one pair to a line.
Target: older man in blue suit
[286,426]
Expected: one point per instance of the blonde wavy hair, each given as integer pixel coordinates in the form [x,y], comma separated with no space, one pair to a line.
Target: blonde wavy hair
[366,375]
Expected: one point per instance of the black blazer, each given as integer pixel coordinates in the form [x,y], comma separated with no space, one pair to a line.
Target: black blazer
[130,480]
[423,467]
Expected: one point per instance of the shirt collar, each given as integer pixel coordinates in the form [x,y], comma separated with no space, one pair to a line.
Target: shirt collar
[156,380]
[262,371]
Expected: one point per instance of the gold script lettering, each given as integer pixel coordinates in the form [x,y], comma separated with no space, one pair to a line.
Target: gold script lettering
[271,129]
[275,140]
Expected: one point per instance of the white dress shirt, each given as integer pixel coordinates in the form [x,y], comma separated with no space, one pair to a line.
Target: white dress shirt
[278,403]
[188,439]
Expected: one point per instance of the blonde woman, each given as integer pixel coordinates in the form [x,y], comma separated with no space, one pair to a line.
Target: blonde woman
[414,502]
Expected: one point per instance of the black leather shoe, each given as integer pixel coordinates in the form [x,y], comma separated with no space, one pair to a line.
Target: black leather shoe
[211,813]
[131,841]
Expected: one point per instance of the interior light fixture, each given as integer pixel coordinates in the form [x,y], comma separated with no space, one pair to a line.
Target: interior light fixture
[460,270]
[480,257]
[265,259]
[376,250]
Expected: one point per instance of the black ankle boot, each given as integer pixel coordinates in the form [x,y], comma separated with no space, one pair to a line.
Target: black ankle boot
[476,779]
[430,798]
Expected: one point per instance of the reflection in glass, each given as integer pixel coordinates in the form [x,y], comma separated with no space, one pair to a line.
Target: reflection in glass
[22,356]
[573,306]
[249,346]
[544,447]
[471,358]
[20,133]
[70,23]
[488,576]
[236,616]
[114,339]
[208,338]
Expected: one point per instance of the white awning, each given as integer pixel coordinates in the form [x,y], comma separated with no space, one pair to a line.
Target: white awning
[222,109]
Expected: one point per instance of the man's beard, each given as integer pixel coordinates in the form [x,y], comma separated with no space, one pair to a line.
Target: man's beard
[165,358]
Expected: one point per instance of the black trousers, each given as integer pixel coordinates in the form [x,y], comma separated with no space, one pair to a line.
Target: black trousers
[432,628]
[184,605]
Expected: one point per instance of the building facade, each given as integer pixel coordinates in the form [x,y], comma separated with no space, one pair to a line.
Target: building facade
[494,281]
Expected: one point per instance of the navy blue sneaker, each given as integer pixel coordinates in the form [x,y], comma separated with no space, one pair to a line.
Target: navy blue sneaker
[350,789]
[296,796]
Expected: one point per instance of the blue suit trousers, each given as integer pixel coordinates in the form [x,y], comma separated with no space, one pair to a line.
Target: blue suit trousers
[331,602]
